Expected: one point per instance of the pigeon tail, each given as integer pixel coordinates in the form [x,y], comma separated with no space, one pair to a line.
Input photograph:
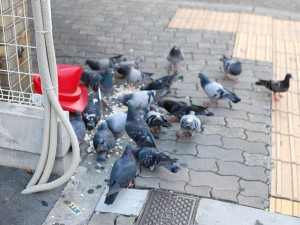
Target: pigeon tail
[232,97]
[224,58]
[117,59]
[171,167]
[94,65]
[261,82]
[160,93]
[109,200]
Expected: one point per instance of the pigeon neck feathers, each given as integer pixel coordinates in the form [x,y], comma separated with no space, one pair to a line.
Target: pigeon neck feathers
[204,80]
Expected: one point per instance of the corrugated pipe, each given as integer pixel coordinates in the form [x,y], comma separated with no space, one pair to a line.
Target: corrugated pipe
[48,72]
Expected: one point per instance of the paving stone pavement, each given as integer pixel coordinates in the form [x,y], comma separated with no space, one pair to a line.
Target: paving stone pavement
[230,159]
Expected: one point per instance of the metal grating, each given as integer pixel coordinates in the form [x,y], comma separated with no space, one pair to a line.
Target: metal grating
[16,52]
[166,208]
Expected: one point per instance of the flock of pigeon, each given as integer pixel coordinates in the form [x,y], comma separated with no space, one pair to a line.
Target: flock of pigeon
[144,114]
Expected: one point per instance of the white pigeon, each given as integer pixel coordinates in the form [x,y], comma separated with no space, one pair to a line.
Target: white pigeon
[189,123]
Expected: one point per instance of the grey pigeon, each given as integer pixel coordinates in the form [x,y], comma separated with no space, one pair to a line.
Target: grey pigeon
[133,75]
[107,83]
[103,141]
[142,99]
[231,66]
[79,127]
[137,129]
[104,64]
[190,123]
[91,78]
[180,108]
[276,86]
[175,56]
[216,91]
[151,158]
[122,175]
[163,82]
[92,112]
[134,63]
[116,123]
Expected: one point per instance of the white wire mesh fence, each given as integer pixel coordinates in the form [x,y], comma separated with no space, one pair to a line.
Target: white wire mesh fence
[17,55]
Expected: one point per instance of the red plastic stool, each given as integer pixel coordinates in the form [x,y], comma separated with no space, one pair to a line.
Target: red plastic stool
[72,95]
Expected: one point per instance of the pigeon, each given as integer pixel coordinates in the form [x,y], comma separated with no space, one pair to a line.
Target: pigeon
[180,108]
[155,120]
[216,91]
[190,123]
[79,127]
[103,141]
[133,75]
[92,112]
[232,67]
[91,78]
[163,82]
[104,64]
[142,99]
[175,56]
[116,123]
[137,129]
[276,86]
[107,84]
[151,158]
[122,175]
[134,63]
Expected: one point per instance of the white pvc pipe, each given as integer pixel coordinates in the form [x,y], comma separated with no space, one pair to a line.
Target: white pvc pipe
[46,15]
[47,106]
[48,89]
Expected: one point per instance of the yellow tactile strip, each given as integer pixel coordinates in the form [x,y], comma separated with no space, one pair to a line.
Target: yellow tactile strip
[204,19]
[284,206]
[266,39]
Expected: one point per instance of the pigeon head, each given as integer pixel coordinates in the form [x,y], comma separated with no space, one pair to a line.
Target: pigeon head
[77,114]
[192,113]
[102,126]
[131,109]
[128,151]
[90,124]
[135,151]
[204,79]
[288,76]
[85,76]
[123,98]
[124,70]
[167,104]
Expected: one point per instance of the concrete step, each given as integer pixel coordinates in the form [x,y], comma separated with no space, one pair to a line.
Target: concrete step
[215,212]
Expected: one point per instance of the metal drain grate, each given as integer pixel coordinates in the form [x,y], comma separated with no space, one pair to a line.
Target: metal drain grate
[165,208]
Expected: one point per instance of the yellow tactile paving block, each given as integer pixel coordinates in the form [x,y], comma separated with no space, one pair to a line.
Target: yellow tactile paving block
[253,46]
[286,29]
[287,207]
[255,24]
[285,180]
[284,148]
[204,19]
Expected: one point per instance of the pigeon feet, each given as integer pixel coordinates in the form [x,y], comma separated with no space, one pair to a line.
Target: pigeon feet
[226,76]
[155,129]
[236,80]
[210,102]
[173,119]
[180,134]
[192,134]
